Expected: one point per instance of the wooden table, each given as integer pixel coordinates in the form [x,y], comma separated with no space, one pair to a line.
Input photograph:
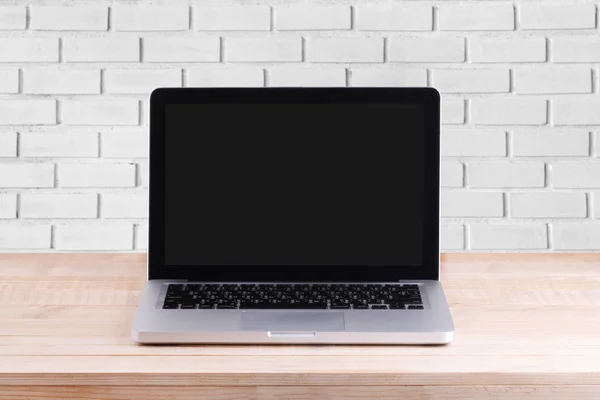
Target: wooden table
[527,326]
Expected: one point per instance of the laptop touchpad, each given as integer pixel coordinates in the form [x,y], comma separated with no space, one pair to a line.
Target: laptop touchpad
[293,321]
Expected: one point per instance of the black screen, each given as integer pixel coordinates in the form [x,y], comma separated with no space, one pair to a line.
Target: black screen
[294,184]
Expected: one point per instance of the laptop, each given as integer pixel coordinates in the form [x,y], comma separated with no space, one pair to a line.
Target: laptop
[294,215]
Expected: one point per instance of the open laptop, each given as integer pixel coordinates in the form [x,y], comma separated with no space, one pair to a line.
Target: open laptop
[294,215]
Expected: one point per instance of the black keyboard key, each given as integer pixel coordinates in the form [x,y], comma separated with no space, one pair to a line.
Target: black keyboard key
[340,306]
[379,307]
[360,306]
[170,306]
[397,306]
[188,306]
[415,307]
[227,306]
[269,305]
[205,306]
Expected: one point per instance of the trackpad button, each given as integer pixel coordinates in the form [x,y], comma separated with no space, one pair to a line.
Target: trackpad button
[293,321]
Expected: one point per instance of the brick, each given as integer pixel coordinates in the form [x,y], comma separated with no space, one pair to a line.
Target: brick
[51,205]
[125,205]
[27,112]
[471,204]
[548,205]
[473,143]
[140,81]
[575,175]
[100,112]
[509,111]
[501,237]
[26,175]
[13,18]
[61,81]
[349,50]
[69,18]
[174,49]
[308,17]
[307,77]
[506,175]
[553,80]
[8,205]
[124,145]
[427,49]
[9,81]
[96,175]
[452,237]
[578,236]
[8,144]
[123,49]
[394,17]
[226,77]
[389,77]
[141,237]
[270,49]
[28,49]
[576,49]
[150,18]
[596,204]
[44,144]
[583,111]
[25,237]
[143,172]
[551,144]
[451,174]
[453,111]
[471,80]
[233,18]
[557,16]
[507,50]
[476,17]
[94,237]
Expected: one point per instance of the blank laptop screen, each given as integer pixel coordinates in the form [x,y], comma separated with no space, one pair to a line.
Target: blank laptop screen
[294,184]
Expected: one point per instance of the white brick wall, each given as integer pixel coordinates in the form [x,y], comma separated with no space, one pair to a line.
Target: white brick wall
[279,49]
[350,50]
[233,18]
[520,82]
[548,205]
[88,50]
[69,18]
[50,80]
[298,18]
[476,17]
[427,49]
[41,144]
[471,80]
[9,80]
[8,144]
[142,81]
[150,18]
[307,77]
[558,16]
[13,17]
[394,17]
[499,237]
[94,237]
[71,205]
[492,50]
[8,206]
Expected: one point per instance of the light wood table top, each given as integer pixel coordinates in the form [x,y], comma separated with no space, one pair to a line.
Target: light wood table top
[527,326]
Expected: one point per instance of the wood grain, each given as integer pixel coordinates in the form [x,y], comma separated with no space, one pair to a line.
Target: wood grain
[527,326]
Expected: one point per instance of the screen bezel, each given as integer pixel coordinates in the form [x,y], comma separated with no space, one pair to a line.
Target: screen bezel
[428,97]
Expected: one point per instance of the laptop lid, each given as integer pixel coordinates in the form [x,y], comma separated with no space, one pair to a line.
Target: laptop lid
[294,184]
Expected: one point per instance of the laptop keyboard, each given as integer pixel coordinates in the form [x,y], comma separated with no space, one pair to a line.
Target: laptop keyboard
[293,296]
